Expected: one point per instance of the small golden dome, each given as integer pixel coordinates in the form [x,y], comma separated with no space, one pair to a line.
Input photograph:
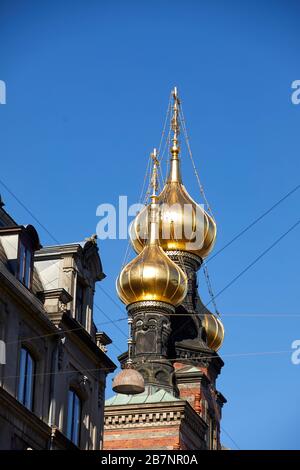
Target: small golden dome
[152,275]
[214,331]
[183,224]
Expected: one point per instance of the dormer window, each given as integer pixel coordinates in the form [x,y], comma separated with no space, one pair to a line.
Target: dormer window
[19,244]
[25,265]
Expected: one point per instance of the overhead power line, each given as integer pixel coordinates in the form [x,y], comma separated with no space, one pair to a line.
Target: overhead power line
[241,273]
[245,354]
[258,258]
[254,222]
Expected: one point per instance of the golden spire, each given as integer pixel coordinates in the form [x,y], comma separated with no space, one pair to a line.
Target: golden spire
[183,224]
[153,219]
[175,175]
[154,181]
[175,122]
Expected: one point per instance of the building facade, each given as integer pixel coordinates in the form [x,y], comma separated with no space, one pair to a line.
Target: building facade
[174,338]
[52,380]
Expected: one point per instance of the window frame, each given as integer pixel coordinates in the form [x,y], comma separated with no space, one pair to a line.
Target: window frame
[25,264]
[26,359]
[74,416]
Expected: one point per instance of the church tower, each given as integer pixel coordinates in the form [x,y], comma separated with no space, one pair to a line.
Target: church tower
[168,398]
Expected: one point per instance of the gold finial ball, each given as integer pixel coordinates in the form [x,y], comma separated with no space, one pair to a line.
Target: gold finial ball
[183,224]
[152,276]
[214,331]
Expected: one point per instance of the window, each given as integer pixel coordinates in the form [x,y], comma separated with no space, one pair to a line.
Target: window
[79,313]
[26,379]
[74,417]
[25,265]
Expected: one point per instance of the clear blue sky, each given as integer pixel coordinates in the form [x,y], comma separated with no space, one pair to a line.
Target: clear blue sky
[87,91]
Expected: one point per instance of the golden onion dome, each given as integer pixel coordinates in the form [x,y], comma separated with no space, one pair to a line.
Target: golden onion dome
[152,275]
[214,331]
[183,224]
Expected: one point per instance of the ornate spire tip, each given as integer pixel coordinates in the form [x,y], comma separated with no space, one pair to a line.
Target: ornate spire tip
[154,182]
[175,125]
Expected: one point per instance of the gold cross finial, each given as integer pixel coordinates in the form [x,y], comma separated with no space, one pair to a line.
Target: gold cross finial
[175,94]
[175,123]
[154,182]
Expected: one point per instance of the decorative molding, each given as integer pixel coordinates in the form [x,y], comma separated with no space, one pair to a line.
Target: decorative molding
[207,358]
[152,415]
[102,340]
[132,420]
[185,255]
[184,376]
[60,294]
[148,304]
[81,383]
[193,357]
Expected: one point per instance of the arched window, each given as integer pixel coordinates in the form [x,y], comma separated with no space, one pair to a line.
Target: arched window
[74,417]
[26,378]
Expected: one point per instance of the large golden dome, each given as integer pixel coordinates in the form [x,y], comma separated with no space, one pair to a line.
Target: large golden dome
[183,224]
[152,275]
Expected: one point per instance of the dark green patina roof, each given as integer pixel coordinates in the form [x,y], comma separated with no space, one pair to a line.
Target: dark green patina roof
[158,396]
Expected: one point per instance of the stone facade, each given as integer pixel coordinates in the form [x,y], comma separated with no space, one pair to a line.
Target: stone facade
[154,426]
[49,313]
